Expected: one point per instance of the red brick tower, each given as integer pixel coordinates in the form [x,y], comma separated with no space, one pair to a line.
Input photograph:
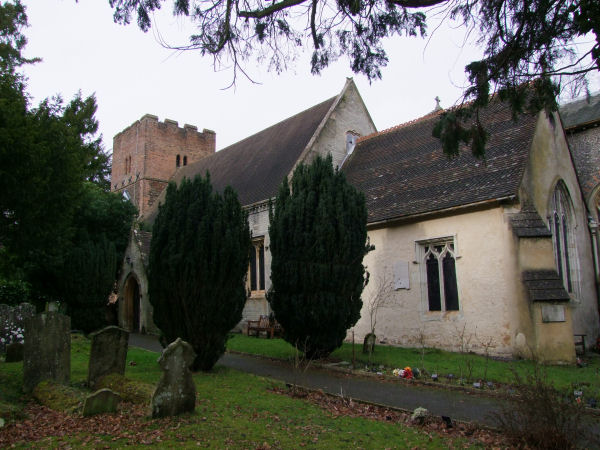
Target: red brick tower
[149,152]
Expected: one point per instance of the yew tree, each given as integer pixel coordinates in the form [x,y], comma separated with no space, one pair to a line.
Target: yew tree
[61,230]
[199,257]
[318,233]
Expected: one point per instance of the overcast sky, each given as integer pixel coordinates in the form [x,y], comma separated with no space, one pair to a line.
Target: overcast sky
[131,74]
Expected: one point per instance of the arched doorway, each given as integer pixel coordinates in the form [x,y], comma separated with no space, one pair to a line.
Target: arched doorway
[132,305]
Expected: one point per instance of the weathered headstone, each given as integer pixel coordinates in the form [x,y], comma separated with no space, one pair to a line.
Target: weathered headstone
[176,392]
[14,352]
[22,312]
[102,401]
[108,353]
[369,343]
[47,352]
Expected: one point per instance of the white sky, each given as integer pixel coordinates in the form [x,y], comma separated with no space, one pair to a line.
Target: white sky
[131,74]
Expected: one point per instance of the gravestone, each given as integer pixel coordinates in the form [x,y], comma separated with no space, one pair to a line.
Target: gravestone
[176,391]
[108,353]
[369,343]
[102,401]
[47,351]
[14,352]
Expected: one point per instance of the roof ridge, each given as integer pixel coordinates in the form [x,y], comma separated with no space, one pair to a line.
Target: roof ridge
[221,152]
[403,125]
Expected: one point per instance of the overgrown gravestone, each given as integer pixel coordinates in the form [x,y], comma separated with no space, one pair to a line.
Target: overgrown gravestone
[176,391]
[102,401]
[47,351]
[108,353]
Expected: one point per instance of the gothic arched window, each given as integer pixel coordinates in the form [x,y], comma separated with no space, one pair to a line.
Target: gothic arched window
[177,161]
[561,223]
[440,272]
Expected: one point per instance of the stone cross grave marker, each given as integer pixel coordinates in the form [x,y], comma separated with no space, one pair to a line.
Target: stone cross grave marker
[176,391]
[47,351]
[108,353]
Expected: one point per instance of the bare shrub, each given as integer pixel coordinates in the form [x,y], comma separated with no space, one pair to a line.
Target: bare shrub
[541,416]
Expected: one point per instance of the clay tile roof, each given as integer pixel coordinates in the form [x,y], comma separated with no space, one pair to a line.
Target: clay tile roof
[403,171]
[256,166]
[528,223]
[544,286]
[581,113]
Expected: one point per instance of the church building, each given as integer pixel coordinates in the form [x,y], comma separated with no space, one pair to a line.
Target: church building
[499,254]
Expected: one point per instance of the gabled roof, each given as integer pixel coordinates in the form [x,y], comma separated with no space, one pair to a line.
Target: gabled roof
[581,113]
[404,172]
[256,166]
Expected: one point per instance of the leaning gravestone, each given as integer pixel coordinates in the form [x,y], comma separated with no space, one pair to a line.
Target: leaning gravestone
[102,401]
[108,353]
[47,351]
[176,392]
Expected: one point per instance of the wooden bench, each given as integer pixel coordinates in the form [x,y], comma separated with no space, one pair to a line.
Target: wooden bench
[271,328]
[580,343]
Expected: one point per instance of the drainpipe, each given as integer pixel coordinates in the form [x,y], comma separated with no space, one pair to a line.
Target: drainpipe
[594,233]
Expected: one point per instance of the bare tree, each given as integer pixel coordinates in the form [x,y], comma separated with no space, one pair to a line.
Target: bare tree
[381,296]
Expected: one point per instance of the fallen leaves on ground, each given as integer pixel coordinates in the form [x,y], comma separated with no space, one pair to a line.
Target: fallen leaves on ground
[130,423]
[338,406]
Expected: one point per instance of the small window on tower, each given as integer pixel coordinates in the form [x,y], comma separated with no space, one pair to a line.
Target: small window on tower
[185,160]
[177,161]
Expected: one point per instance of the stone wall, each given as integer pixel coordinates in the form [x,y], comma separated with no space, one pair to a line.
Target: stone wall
[487,282]
[585,148]
[550,162]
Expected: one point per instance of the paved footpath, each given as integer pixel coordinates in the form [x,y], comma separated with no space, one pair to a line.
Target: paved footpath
[443,402]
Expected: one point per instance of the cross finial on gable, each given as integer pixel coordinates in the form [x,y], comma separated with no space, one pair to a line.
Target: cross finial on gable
[437,103]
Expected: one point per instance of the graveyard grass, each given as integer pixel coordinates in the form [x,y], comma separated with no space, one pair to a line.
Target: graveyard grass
[471,366]
[233,410]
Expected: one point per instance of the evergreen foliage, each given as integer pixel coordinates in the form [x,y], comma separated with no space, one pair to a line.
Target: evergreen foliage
[198,261]
[61,231]
[89,276]
[318,234]
[102,222]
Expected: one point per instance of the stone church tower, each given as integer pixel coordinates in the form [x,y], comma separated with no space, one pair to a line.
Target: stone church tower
[149,152]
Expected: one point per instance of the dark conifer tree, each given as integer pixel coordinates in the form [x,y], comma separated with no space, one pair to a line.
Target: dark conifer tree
[318,234]
[198,261]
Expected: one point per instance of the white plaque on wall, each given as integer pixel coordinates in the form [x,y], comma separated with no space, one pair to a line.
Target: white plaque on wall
[553,313]
[401,277]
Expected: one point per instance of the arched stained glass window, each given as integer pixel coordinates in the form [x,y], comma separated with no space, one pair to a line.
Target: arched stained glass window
[562,226]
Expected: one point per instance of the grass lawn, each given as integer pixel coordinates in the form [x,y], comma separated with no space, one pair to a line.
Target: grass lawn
[469,366]
[233,409]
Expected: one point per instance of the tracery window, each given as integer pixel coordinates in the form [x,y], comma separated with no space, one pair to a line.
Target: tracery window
[256,269]
[561,224]
[440,275]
